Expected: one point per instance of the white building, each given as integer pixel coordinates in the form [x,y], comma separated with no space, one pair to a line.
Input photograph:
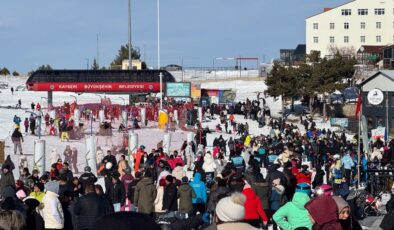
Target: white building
[350,26]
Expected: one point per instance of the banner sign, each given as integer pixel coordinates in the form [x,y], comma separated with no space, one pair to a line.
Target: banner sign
[178,89]
[97,86]
[379,132]
[375,97]
[196,90]
[226,96]
[342,122]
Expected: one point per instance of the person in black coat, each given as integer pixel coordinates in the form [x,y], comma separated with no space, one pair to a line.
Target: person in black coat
[170,195]
[34,221]
[109,207]
[319,177]
[132,185]
[117,193]
[388,220]
[89,208]
[87,178]
[273,174]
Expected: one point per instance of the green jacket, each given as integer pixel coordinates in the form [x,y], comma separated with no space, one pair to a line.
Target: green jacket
[185,195]
[145,195]
[7,180]
[262,190]
[293,215]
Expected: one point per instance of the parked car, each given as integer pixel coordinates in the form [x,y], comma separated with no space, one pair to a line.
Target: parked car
[173,67]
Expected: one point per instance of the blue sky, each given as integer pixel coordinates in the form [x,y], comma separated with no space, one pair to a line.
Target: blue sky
[63,33]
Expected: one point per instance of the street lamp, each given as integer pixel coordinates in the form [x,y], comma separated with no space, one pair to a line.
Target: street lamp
[42,104]
[158,54]
[221,58]
[130,61]
[87,63]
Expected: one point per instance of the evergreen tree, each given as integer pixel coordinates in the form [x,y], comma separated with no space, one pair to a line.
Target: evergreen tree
[4,71]
[45,67]
[15,74]
[123,54]
[95,65]
[321,76]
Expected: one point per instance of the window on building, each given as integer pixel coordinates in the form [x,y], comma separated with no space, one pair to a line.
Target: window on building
[332,25]
[392,101]
[315,26]
[378,25]
[378,39]
[369,122]
[315,39]
[362,11]
[346,12]
[379,11]
[346,25]
[362,39]
[392,125]
[332,39]
[346,39]
[362,25]
[379,121]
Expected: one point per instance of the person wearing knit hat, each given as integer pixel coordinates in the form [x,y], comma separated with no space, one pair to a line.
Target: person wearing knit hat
[33,219]
[52,212]
[186,195]
[347,220]
[52,186]
[185,179]
[230,212]
[7,177]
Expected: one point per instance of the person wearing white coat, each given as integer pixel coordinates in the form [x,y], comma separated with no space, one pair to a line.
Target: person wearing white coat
[52,213]
[159,197]
[189,155]
[209,167]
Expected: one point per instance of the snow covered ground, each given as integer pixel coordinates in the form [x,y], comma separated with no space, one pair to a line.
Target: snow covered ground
[149,136]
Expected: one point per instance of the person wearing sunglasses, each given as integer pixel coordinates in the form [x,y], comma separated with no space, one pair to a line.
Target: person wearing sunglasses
[346,219]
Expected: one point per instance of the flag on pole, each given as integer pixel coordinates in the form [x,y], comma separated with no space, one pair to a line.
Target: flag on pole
[358,106]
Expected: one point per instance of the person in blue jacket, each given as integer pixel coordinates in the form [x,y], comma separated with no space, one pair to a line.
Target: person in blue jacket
[17,120]
[201,194]
[348,164]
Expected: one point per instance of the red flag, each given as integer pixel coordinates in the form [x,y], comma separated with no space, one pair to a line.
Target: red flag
[358,107]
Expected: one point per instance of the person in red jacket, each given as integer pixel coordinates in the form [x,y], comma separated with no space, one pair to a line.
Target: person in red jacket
[137,157]
[304,176]
[254,212]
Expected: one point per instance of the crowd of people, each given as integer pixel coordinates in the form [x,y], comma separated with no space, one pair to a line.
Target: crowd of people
[284,180]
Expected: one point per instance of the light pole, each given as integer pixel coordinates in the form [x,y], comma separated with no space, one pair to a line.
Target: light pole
[130,61]
[97,58]
[158,54]
[42,104]
[221,58]
[87,63]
